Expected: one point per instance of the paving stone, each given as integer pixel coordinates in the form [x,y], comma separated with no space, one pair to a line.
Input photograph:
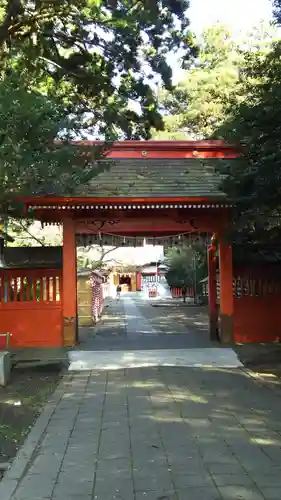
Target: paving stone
[7,488]
[233,480]
[190,470]
[107,489]
[82,488]
[70,496]
[146,461]
[35,496]
[147,471]
[32,490]
[267,480]
[157,495]
[240,493]
[223,459]
[150,483]
[200,493]
[196,480]
[271,493]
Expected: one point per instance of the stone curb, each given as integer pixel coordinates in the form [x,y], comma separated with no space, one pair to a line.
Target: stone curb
[259,379]
[15,473]
[5,367]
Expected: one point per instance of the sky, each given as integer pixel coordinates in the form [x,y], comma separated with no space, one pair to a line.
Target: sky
[238,14]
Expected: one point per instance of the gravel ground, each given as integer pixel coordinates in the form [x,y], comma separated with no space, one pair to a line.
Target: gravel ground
[20,404]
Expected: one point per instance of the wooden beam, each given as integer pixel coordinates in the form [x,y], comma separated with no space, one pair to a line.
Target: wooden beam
[212,292]
[69,284]
[226,291]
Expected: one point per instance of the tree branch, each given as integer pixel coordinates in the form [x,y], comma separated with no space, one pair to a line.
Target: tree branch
[30,234]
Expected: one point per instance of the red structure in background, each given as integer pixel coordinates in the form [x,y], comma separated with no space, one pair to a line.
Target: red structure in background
[138,281]
[177,292]
[152,189]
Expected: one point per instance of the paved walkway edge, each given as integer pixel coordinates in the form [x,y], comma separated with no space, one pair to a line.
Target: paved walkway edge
[116,360]
[25,454]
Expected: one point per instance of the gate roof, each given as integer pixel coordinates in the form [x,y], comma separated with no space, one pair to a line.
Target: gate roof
[152,170]
[158,177]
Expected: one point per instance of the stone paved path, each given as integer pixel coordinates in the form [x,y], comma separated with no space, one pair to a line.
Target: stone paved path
[128,338]
[165,433]
[129,324]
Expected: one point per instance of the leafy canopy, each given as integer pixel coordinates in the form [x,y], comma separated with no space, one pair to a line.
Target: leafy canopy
[202,101]
[97,56]
[187,266]
[73,68]
[254,184]
[31,163]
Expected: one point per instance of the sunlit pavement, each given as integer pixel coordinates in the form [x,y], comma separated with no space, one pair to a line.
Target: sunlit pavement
[155,433]
[127,339]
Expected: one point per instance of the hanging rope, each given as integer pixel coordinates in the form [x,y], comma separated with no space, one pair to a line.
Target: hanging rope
[110,239]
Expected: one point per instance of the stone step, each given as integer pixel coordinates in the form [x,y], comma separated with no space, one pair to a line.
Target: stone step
[114,360]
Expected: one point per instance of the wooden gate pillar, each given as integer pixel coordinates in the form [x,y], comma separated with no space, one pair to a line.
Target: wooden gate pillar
[69,284]
[212,291]
[226,328]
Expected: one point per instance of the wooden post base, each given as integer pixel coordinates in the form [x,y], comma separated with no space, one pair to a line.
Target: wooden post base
[213,326]
[70,326]
[226,329]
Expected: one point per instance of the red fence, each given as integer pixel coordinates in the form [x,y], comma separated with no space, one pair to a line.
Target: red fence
[257,307]
[30,307]
[177,292]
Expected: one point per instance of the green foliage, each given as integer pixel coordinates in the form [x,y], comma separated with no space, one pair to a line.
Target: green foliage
[94,257]
[277,10]
[196,106]
[203,100]
[28,233]
[255,121]
[30,162]
[187,266]
[97,56]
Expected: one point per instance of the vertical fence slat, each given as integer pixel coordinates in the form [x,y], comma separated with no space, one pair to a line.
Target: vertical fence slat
[47,288]
[41,289]
[12,289]
[28,289]
[21,294]
[34,290]
[58,288]
[25,286]
[51,288]
[55,288]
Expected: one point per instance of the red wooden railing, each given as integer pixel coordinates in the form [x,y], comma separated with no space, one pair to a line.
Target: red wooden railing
[30,307]
[177,292]
[30,286]
[257,313]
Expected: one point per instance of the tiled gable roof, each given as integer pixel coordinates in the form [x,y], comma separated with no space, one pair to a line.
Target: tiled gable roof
[152,177]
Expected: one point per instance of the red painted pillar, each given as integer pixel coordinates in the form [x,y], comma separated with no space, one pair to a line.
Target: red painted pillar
[226,291]
[212,292]
[138,284]
[69,284]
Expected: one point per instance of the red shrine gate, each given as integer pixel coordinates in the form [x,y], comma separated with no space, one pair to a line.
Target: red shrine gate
[152,189]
